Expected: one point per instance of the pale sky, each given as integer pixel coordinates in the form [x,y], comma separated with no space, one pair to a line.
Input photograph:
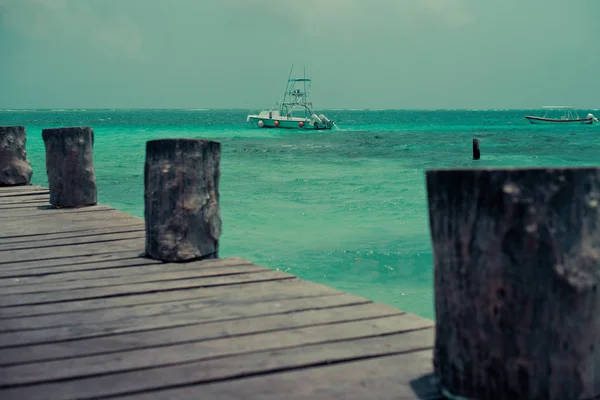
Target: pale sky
[360,53]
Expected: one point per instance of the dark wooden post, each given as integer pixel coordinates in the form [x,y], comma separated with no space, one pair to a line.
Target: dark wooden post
[14,166]
[476,152]
[181,195]
[516,271]
[70,167]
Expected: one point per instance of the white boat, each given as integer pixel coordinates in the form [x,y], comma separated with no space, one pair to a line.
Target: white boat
[295,99]
[568,116]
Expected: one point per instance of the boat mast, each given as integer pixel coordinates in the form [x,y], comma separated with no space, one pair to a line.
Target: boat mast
[287,89]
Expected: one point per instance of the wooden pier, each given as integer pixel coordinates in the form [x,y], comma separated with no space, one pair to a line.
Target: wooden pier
[97,304]
[84,315]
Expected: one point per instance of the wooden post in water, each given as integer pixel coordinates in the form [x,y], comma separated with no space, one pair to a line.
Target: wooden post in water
[476,152]
[181,195]
[15,169]
[517,268]
[70,167]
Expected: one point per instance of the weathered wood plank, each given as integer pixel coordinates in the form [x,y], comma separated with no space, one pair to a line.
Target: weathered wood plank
[75,239]
[280,288]
[43,277]
[97,247]
[405,365]
[197,306]
[68,223]
[47,211]
[24,205]
[105,260]
[168,273]
[20,200]
[184,315]
[196,351]
[398,377]
[43,237]
[82,294]
[25,194]
[204,319]
[21,188]
[67,243]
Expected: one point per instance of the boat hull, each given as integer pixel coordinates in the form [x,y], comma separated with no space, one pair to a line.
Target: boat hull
[541,120]
[285,123]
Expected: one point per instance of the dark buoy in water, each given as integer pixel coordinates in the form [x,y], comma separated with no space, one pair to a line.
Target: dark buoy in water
[476,152]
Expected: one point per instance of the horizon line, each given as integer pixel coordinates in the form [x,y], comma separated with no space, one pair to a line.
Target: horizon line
[8,109]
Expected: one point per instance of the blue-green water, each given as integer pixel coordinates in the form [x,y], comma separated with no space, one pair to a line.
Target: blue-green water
[346,208]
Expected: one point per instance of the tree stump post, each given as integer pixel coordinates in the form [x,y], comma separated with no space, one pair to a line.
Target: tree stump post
[70,167]
[476,152]
[516,271]
[181,196]
[15,169]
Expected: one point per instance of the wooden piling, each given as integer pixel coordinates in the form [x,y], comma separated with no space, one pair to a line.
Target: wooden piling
[476,152]
[181,197]
[15,169]
[516,267]
[70,166]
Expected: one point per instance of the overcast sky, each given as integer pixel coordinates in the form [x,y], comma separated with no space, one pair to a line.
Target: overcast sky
[360,53]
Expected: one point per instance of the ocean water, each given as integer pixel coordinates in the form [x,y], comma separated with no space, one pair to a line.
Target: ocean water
[346,208]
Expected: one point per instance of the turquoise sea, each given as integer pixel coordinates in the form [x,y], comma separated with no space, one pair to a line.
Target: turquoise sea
[347,207]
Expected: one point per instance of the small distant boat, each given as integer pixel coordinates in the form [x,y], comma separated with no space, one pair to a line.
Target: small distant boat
[568,116]
[281,115]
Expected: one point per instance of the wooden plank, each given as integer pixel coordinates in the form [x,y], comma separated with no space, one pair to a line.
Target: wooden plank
[20,200]
[186,315]
[42,237]
[67,243]
[405,376]
[24,205]
[98,247]
[24,194]
[78,271]
[43,277]
[360,358]
[168,272]
[102,260]
[21,188]
[112,291]
[67,223]
[282,288]
[205,319]
[50,212]
[197,351]
[46,322]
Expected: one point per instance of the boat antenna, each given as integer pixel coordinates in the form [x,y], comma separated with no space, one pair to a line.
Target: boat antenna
[288,82]
[304,82]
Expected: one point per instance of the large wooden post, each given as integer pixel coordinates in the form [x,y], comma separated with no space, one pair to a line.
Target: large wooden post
[181,197]
[14,166]
[517,268]
[70,167]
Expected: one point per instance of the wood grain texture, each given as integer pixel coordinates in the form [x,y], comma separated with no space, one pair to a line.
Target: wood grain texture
[516,263]
[23,188]
[267,289]
[84,314]
[396,353]
[114,291]
[94,271]
[181,197]
[196,351]
[199,320]
[15,168]
[70,166]
[23,194]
